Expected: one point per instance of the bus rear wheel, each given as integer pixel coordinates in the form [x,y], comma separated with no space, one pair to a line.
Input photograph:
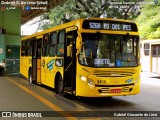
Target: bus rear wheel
[30,76]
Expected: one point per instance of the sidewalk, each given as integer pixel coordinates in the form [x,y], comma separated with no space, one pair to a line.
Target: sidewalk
[150,78]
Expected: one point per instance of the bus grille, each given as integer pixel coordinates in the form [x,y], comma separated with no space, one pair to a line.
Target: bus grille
[113,73]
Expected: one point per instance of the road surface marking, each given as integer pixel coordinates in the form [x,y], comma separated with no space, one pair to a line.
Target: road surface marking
[45,101]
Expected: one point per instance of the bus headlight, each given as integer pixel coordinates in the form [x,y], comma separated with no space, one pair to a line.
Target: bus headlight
[136,81]
[91,83]
[83,78]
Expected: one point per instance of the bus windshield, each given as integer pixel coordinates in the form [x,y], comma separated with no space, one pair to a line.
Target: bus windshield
[106,50]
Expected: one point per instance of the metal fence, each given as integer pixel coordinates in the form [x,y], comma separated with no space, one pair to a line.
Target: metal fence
[12,66]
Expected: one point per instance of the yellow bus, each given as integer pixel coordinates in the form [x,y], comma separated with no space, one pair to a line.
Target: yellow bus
[95,57]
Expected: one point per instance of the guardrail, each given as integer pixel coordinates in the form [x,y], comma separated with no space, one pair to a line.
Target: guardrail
[12,66]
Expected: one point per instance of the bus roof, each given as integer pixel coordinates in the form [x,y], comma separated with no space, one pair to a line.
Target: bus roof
[69,24]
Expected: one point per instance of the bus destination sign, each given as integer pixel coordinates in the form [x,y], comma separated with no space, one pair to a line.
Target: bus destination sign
[109,25]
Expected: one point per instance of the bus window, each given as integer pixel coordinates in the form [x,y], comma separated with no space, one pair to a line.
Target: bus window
[154,51]
[90,46]
[109,50]
[39,45]
[53,43]
[69,45]
[23,46]
[158,51]
[34,47]
[45,45]
[60,50]
[146,49]
[28,47]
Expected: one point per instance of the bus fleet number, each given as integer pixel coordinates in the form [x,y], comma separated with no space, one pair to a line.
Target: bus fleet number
[101,81]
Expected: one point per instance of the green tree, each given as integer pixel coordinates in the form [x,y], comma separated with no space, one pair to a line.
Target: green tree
[74,9]
[149,21]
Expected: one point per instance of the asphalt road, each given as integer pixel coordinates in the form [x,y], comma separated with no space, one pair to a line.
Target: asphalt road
[18,95]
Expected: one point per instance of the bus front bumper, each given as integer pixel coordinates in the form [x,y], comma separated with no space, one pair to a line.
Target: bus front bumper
[105,91]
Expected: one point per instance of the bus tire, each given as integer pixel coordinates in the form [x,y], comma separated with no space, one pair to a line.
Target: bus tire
[30,76]
[60,86]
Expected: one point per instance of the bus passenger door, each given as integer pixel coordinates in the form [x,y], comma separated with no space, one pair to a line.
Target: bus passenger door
[36,60]
[70,62]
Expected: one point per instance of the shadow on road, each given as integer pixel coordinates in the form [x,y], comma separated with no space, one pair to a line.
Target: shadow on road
[157,77]
[103,102]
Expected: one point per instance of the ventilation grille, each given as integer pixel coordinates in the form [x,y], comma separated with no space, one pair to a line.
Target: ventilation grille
[113,73]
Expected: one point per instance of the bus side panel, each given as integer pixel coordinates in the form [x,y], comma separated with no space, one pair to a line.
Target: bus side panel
[47,71]
[56,70]
[23,66]
[50,70]
[29,65]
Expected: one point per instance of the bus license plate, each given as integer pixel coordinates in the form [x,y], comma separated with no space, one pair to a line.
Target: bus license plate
[115,90]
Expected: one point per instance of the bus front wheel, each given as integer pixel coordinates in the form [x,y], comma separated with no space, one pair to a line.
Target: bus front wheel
[60,86]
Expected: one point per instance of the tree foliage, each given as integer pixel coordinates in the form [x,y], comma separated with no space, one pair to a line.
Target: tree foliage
[74,9]
[149,21]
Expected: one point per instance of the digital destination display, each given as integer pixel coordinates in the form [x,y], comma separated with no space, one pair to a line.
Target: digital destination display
[109,25]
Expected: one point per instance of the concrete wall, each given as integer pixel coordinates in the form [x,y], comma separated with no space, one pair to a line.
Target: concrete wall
[2,47]
[12,39]
[7,40]
[11,21]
